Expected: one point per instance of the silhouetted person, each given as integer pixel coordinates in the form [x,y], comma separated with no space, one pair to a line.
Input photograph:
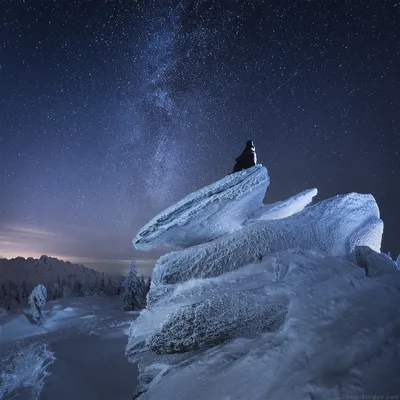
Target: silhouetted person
[247,159]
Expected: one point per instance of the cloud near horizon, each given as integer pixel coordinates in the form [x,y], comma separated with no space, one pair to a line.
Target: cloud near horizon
[18,240]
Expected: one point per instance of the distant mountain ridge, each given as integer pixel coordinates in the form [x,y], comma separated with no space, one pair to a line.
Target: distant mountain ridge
[18,276]
[45,268]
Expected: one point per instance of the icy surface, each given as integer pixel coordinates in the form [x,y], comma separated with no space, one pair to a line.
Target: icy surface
[215,210]
[285,208]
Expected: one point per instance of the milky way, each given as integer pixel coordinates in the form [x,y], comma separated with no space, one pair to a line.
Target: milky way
[113,110]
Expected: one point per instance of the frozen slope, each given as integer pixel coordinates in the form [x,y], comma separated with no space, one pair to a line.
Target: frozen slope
[301,306]
[215,210]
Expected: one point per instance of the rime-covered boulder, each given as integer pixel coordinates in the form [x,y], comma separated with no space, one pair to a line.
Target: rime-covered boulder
[216,320]
[332,227]
[284,208]
[375,264]
[215,210]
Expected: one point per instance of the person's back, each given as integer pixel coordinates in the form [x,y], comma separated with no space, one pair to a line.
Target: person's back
[247,159]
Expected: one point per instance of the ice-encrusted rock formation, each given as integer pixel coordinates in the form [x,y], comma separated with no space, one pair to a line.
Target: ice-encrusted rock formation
[213,211]
[260,308]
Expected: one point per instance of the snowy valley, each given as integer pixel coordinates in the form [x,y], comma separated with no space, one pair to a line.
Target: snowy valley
[59,338]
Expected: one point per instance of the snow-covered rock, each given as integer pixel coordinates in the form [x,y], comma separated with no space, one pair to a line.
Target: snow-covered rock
[276,308]
[332,227]
[284,208]
[340,339]
[215,210]
[375,264]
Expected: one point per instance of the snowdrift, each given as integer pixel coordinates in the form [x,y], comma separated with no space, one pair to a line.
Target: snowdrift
[284,301]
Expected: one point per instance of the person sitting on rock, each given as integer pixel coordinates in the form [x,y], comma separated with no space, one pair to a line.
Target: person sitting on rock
[247,159]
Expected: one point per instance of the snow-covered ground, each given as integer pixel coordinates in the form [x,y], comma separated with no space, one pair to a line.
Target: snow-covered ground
[77,354]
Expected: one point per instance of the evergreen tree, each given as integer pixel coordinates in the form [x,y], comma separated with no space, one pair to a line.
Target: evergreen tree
[6,296]
[37,301]
[101,288]
[110,287]
[148,283]
[77,289]
[66,291]
[131,294]
[25,291]
[142,291]
[88,285]
[57,291]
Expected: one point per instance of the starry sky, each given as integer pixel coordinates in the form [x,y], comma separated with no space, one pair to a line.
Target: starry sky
[111,111]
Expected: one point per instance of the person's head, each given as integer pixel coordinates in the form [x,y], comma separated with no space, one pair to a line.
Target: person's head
[249,143]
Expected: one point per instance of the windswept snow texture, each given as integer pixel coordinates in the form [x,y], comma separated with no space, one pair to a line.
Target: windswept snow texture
[332,227]
[285,208]
[296,302]
[375,264]
[218,209]
[340,339]
[26,369]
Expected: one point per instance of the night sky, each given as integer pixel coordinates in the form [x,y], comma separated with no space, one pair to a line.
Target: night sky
[111,111]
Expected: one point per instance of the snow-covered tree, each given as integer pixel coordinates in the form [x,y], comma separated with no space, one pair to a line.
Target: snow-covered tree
[57,291]
[5,296]
[77,290]
[142,290]
[87,284]
[110,287]
[132,296]
[25,291]
[37,301]
[148,283]
[66,291]
[100,287]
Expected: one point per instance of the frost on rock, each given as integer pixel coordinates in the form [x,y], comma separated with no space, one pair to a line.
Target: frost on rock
[215,210]
[336,339]
[375,264]
[331,227]
[284,208]
[276,308]
[216,320]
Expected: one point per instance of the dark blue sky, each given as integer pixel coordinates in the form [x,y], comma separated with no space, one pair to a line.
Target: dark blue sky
[112,110]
